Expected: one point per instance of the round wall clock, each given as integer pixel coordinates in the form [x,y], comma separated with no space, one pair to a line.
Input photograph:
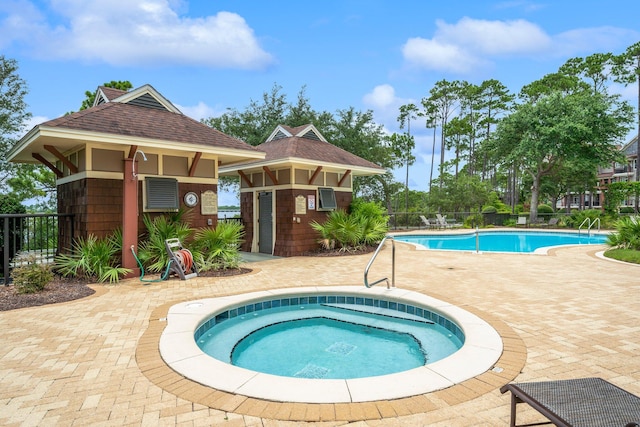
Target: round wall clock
[191,199]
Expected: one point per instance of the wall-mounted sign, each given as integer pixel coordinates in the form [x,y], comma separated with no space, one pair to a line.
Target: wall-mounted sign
[301,205]
[209,203]
[311,202]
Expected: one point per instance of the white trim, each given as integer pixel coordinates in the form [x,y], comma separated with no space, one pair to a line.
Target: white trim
[147,89]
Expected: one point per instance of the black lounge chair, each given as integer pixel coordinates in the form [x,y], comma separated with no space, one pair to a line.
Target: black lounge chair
[591,402]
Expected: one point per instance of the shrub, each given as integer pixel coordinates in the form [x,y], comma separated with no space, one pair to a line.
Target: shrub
[30,276]
[626,210]
[578,217]
[627,235]
[218,248]
[489,210]
[93,258]
[364,226]
[545,209]
[152,251]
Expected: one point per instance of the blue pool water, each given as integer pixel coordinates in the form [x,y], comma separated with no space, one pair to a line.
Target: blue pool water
[329,341]
[502,241]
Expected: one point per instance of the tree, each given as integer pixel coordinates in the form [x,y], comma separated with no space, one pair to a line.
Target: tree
[627,71]
[13,113]
[558,128]
[91,95]
[404,146]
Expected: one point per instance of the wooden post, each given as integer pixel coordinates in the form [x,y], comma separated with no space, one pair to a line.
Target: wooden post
[129,218]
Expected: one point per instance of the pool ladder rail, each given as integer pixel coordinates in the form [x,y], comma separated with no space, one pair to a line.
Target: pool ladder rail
[589,224]
[393,265]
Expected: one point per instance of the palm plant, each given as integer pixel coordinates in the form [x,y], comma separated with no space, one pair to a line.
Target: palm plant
[365,226]
[627,235]
[93,258]
[152,252]
[218,248]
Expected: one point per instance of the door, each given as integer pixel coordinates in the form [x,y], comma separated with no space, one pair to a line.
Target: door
[265,222]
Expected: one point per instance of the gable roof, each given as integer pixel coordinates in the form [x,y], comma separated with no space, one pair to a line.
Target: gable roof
[310,149]
[140,117]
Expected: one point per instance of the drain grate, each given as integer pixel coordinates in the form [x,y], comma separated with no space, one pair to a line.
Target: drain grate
[312,371]
[341,348]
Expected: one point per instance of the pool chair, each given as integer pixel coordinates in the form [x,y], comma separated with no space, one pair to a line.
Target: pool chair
[442,222]
[577,402]
[553,222]
[522,220]
[428,223]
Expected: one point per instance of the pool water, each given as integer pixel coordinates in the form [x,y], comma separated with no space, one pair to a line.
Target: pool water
[328,341]
[502,241]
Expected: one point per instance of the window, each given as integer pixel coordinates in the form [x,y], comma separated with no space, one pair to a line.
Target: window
[326,199]
[161,194]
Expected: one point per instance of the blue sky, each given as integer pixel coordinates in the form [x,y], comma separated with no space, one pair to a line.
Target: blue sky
[209,55]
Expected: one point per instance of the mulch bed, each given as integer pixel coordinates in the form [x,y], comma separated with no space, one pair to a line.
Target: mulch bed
[58,290]
[63,289]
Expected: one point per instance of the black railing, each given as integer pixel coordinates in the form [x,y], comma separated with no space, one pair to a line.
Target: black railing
[36,234]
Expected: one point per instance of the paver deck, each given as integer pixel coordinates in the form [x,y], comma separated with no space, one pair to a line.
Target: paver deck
[95,361]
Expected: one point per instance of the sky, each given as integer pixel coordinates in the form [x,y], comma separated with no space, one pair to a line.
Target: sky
[207,56]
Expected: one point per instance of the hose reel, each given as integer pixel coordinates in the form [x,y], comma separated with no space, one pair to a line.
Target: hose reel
[181,260]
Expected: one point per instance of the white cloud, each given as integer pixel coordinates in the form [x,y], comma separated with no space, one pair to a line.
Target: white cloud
[385,105]
[494,37]
[382,96]
[135,32]
[200,111]
[439,56]
[468,44]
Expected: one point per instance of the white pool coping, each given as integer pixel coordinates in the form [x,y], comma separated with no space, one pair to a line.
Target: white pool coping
[178,348]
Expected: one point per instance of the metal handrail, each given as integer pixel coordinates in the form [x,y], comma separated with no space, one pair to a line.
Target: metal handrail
[589,224]
[393,265]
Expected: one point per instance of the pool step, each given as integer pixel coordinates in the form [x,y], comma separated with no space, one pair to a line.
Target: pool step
[380,311]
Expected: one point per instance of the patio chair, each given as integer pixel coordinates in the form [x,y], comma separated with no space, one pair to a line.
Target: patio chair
[442,221]
[522,220]
[577,402]
[428,223]
[553,222]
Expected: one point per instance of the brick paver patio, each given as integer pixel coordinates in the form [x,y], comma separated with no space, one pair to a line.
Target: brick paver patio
[95,361]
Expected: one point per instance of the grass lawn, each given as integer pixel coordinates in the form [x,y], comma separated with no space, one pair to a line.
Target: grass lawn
[626,255]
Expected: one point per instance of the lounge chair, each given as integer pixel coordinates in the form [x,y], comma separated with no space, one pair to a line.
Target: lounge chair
[553,222]
[522,220]
[428,223]
[577,402]
[442,221]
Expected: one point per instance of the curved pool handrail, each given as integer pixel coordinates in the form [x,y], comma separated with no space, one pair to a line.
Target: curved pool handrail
[393,265]
[590,224]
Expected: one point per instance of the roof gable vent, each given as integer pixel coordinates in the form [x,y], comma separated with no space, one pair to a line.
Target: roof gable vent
[311,135]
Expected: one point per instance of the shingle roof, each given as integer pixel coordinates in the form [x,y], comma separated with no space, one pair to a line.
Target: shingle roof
[135,121]
[311,149]
[111,93]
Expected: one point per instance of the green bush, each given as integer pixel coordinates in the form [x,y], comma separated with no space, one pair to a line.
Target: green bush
[94,259]
[30,276]
[489,210]
[545,209]
[627,234]
[626,210]
[152,251]
[475,220]
[218,248]
[366,225]
[578,217]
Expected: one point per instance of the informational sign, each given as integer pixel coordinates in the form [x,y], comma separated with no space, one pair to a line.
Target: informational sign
[301,205]
[209,203]
[311,199]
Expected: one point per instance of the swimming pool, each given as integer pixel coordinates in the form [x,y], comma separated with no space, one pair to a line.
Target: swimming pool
[502,241]
[329,337]
[178,347]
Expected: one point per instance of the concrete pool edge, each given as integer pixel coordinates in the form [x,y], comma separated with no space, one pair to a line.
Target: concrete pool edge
[150,362]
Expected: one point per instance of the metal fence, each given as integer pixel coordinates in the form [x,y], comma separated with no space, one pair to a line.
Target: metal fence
[34,234]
